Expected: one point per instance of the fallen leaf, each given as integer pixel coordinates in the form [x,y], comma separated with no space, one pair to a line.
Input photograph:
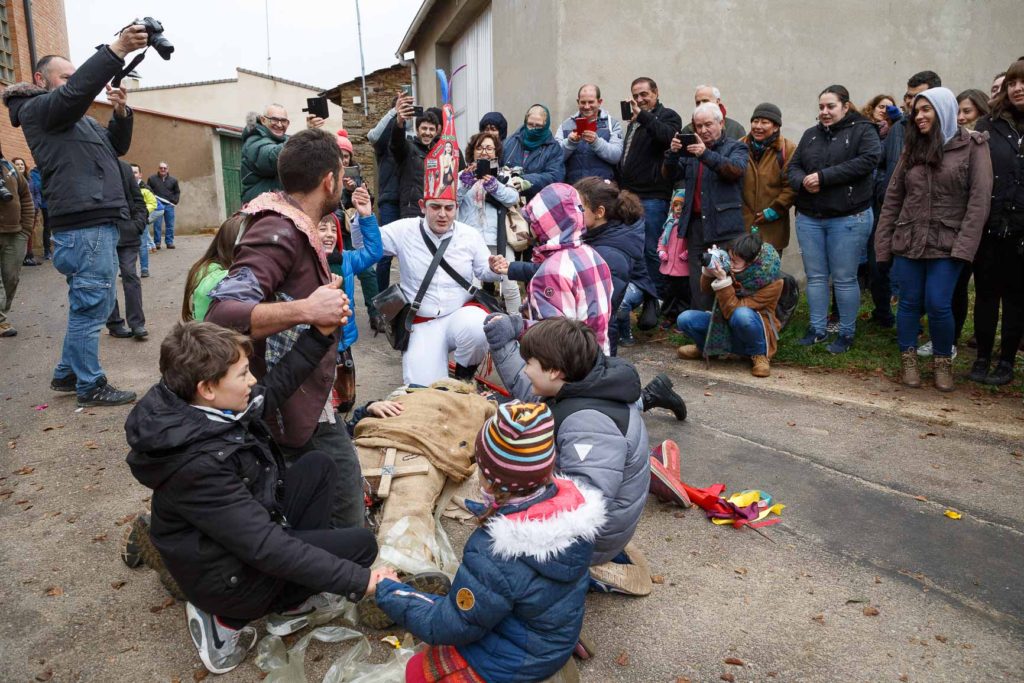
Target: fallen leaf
[54,591]
[622,659]
[871,611]
[734,661]
[677,515]
[904,678]
[820,618]
[742,571]
[124,520]
[25,470]
[91,445]
[791,424]
[952,514]
[772,674]
[118,585]
[200,674]
[162,606]
[657,578]
[99,539]
[42,406]
[856,601]
[45,675]
[878,579]
[728,677]
[683,679]
[923,499]
[941,639]
[21,502]
[706,393]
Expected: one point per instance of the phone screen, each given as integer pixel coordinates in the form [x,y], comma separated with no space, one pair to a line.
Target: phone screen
[627,110]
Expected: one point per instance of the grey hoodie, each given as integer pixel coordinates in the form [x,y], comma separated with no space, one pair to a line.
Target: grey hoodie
[946,109]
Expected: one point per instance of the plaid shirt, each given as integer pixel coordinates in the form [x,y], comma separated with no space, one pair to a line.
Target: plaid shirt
[573,280]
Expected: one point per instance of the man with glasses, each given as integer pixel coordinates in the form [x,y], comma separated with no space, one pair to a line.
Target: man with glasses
[597,148]
[165,187]
[262,140]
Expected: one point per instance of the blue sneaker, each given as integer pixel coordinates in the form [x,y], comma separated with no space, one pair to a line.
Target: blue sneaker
[812,337]
[842,344]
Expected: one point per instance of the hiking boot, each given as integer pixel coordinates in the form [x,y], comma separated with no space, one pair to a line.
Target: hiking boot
[759,366]
[811,337]
[139,332]
[221,648]
[1001,374]
[689,352]
[288,622]
[65,384]
[372,616]
[170,246]
[943,366]
[145,272]
[841,344]
[121,331]
[30,260]
[627,341]
[658,394]
[979,370]
[910,376]
[105,395]
[7,331]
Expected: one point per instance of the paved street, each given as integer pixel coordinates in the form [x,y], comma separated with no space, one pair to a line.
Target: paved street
[865,578]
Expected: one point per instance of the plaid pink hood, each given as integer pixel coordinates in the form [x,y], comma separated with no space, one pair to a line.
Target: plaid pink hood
[555,216]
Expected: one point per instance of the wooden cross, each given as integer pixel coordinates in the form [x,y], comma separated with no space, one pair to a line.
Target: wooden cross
[390,470]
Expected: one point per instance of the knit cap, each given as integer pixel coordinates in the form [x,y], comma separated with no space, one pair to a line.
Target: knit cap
[515,449]
[343,142]
[767,110]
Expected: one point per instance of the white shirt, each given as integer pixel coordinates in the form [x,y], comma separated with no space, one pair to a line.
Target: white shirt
[467,254]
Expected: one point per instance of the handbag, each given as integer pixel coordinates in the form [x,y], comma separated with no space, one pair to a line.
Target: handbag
[398,313]
[487,301]
[517,230]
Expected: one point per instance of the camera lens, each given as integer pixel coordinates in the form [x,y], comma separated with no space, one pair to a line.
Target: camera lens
[705,259]
[163,47]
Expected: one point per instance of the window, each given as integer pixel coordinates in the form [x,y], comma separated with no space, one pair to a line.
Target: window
[6,50]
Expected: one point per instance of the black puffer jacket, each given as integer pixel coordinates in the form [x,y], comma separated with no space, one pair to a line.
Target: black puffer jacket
[845,156]
[408,154]
[216,495]
[76,155]
[1006,145]
[643,149]
[135,216]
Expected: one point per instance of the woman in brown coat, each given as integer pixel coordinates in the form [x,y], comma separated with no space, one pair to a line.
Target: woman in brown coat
[932,219]
[767,194]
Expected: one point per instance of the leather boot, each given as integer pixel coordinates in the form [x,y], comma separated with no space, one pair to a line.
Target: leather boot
[760,367]
[910,376]
[464,372]
[944,373]
[658,394]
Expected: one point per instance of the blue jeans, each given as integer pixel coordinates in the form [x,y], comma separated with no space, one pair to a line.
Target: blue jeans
[746,330]
[166,219]
[655,213]
[831,248]
[389,213]
[147,244]
[87,258]
[633,297]
[927,284]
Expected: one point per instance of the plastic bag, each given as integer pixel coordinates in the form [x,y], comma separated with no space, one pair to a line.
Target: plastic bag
[289,666]
[350,669]
[402,548]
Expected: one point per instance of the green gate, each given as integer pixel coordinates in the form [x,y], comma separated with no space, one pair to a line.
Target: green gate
[231,163]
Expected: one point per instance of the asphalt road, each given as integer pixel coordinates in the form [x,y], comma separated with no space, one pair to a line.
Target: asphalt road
[865,578]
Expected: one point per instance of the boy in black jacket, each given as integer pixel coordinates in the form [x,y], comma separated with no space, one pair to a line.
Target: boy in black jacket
[241,537]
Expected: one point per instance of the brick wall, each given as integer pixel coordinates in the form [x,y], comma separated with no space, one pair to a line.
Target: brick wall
[381,87]
[51,34]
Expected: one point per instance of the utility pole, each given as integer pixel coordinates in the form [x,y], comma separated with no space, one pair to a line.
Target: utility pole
[362,63]
[266,10]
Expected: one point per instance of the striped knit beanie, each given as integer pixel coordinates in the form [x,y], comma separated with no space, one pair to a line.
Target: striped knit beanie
[515,450]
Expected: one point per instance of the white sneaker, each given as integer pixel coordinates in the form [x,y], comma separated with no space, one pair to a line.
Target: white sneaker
[286,623]
[925,350]
[221,648]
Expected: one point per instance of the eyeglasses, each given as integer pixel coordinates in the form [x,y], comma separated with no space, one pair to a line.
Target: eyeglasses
[535,126]
[488,148]
[275,120]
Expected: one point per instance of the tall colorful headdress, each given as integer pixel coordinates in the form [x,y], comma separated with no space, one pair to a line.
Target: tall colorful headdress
[441,166]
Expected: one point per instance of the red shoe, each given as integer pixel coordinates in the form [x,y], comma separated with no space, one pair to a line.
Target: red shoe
[666,484]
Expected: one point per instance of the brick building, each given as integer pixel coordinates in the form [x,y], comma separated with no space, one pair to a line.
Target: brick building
[20,45]
[381,87]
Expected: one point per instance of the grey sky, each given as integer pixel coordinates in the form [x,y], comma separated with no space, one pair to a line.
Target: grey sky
[311,41]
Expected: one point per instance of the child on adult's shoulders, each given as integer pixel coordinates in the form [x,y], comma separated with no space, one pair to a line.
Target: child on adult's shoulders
[743,319]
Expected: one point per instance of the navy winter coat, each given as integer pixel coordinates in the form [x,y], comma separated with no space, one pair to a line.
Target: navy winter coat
[542,166]
[724,165]
[515,609]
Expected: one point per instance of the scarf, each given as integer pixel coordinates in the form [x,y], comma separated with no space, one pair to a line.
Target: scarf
[758,148]
[535,137]
[672,222]
[760,273]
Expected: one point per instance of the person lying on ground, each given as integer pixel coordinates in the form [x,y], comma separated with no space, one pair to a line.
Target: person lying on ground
[243,537]
[515,608]
[747,290]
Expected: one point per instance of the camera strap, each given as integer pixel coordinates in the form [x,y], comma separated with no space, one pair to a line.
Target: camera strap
[116,83]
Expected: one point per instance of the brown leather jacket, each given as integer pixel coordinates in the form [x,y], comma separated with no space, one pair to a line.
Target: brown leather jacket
[932,213]
[763,301]
[765,186]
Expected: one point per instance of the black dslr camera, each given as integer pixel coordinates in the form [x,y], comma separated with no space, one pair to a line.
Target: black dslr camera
[157,40]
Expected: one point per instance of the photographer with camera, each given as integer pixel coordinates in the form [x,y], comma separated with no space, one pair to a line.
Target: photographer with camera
[84,194]
[710,167]
[746,284]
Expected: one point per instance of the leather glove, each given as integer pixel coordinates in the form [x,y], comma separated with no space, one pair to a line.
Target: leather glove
[502,328]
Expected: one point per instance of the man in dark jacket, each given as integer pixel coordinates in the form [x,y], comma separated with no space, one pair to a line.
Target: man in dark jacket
[84,194]
[387,181]
[241,534]
[130,228]
[165,187]
[647,136]
[17,217]
[280,281]
[409,154]
[712,173]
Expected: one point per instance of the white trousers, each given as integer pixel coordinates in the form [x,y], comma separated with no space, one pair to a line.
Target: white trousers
[426,359]
[509,288]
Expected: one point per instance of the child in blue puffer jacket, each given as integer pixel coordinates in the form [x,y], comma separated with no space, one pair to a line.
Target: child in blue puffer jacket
[515,608]
[349,263]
